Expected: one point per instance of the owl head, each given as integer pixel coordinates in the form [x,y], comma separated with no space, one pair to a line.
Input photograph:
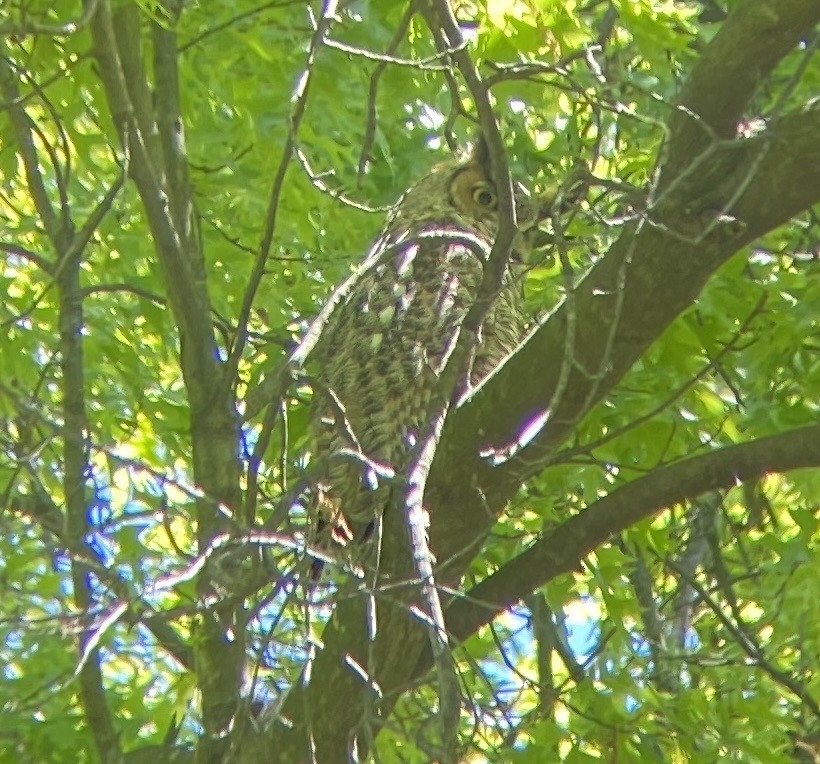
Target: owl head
[462,192]
[457,190]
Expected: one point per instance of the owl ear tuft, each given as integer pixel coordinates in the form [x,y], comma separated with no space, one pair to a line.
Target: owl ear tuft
[480,154]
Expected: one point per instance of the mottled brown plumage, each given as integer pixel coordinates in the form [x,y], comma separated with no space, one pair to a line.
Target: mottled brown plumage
[386,344]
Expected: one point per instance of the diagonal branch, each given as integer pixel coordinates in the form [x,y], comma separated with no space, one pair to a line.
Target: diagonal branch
[23,129]
[564,548]
[748,46]
[786,158]
[737,629]
[116,40]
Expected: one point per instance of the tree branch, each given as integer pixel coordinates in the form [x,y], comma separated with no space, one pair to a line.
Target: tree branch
[299,103]
[75,467]
[562,550]
[23,28]
[117,41]
[158,167]
[740,633]
[747,47]
[779,173]
[23,127]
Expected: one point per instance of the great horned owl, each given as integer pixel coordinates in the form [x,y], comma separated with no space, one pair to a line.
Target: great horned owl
[385,345]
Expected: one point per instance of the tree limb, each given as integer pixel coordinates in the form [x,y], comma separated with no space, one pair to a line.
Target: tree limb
[747,47]
[157,166]
[780,174]
[562,550]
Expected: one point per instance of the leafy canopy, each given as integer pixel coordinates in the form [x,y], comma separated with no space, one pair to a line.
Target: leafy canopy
[623,518]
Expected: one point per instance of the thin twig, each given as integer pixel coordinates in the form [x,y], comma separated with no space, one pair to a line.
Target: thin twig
[373,89]
[741,634]
[298,105]
[24,28]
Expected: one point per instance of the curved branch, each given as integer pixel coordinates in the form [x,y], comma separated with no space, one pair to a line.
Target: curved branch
[562,550]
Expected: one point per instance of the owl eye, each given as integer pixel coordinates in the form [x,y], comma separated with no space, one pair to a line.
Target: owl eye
[484,195]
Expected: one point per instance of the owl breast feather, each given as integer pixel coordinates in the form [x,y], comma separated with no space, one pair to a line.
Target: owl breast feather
[385,348]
